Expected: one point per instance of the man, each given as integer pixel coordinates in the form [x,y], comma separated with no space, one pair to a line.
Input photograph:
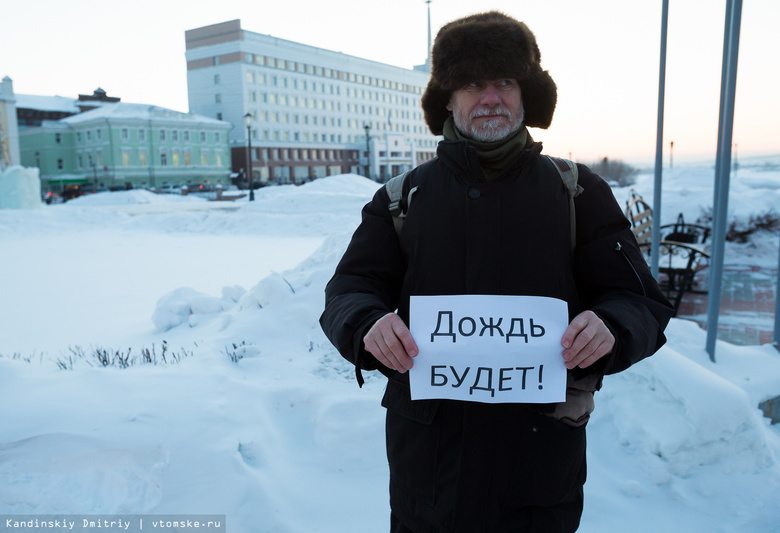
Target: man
[491,216]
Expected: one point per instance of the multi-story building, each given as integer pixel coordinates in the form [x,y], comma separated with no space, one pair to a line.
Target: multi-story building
[124,145]
[314,112]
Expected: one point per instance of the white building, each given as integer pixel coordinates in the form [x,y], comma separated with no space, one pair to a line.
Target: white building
[312,108]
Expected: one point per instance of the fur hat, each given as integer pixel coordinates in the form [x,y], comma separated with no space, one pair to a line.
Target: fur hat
[488,46]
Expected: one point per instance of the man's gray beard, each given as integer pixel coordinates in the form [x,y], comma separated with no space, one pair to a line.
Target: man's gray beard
[491,130]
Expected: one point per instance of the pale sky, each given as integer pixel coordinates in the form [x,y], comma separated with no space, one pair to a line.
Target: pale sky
[602,54]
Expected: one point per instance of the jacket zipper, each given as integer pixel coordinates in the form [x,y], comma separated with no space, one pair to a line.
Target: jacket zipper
[620,249]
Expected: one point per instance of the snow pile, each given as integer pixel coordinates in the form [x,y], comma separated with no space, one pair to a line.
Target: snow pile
[132,197]
[20,188]
[251,413]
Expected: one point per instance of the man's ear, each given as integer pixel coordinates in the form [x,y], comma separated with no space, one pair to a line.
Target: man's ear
[449,106]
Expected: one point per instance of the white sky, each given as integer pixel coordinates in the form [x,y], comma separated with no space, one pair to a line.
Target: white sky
[603,55]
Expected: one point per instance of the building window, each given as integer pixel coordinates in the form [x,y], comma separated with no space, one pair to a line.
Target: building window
[203,136]
[216,137]
[216,79]
[204,159]
[142,158]
[219,116]
[163,160]
[187,159]
[125,159]
[99,134]
[162,135]
[218,98]
[80,161]
[58,138]
[60,164]
[89,136]
[175,136]
[175,159]
[186,134]
[218,156]
[78,136]
[141,135]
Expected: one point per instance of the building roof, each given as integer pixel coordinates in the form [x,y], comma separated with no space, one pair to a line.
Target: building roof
[124,110]
[47,103]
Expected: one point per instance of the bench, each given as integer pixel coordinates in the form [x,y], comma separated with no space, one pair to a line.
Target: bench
[682,251]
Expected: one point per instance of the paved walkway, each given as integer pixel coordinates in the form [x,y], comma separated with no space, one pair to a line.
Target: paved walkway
[747,305]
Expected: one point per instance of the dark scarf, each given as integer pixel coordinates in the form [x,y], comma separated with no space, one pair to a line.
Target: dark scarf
[493,156]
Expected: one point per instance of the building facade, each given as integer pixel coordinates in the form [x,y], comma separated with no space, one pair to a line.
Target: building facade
[122,145]
[313,112]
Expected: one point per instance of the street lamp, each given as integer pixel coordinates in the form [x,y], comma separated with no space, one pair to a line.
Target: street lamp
[367,127]
[248,123]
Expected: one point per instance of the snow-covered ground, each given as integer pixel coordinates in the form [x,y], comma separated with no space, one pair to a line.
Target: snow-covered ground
[249,412]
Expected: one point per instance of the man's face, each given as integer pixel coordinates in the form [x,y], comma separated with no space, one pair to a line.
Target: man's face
[487,110]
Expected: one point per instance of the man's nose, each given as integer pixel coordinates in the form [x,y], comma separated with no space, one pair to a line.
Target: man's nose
[490,95]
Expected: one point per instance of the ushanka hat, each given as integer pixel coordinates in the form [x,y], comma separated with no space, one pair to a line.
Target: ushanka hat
[488,46]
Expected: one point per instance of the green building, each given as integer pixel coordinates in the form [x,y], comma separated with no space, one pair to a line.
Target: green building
[124,145]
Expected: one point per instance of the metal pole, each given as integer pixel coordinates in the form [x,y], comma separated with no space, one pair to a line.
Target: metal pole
[659,149]
[249,162]
[723,167]
[367,127]
[777,309]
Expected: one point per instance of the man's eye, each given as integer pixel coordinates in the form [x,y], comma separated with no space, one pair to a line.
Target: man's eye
[474,85]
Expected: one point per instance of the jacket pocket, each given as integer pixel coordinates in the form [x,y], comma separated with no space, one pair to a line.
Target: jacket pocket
[547,466]
[412,446]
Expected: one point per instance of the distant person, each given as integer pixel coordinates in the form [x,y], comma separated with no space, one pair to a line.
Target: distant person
[491,216]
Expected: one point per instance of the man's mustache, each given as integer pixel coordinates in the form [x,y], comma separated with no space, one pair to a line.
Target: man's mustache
[498,110]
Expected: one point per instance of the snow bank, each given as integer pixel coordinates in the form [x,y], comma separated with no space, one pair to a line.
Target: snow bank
[132,197]
[264,421]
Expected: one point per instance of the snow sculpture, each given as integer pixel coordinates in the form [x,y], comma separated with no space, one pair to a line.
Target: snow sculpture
[20,188]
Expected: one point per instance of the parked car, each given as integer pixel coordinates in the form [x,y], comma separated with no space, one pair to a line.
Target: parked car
[72,191]
[170,189]
[52,198]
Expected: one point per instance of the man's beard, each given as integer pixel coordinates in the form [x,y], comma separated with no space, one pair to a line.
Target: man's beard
[491,130]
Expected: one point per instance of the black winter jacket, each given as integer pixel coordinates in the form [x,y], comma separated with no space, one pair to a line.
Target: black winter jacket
[462,466]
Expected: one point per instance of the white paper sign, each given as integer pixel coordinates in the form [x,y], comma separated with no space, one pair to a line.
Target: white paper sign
[488,348]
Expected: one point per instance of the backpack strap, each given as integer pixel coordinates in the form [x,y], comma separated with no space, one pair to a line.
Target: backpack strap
[397,207]
[568,171]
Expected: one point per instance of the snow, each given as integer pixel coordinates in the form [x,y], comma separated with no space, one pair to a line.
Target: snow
[20,188]
[127,110]
[224,396]
[47,103]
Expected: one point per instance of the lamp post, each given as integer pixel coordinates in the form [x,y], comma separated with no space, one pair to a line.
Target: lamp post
[367,127]
[248,123]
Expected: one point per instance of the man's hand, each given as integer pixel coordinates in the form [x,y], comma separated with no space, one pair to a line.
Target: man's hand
[586,340]
[391,342]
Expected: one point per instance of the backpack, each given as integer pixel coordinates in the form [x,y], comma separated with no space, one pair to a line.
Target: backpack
[566,169]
